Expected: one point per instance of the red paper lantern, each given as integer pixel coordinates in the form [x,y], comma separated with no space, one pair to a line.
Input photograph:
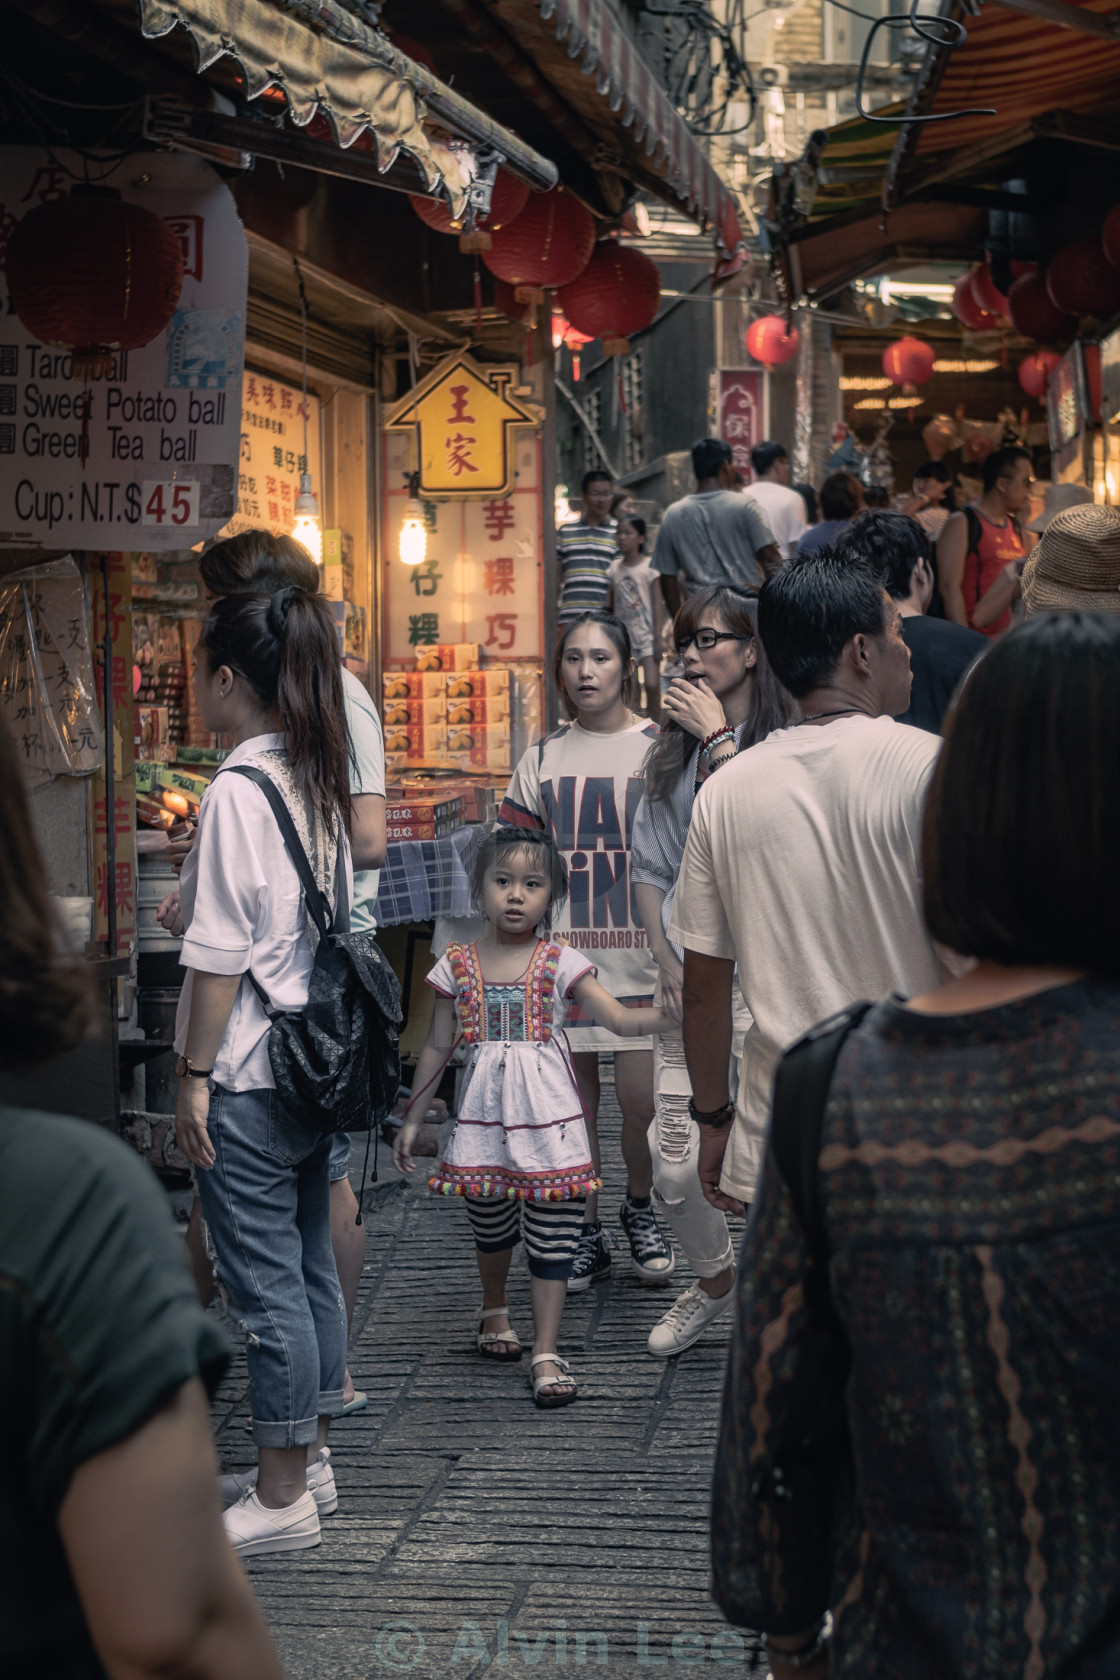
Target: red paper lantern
[987,294]
[549,244]
[1110,236]
[1082,281]
[509,198]
[965,307]
[1033,313]
[617,294]
[908,361]
[93,274]
[506,300]
[1035,370]
[1019,267]
[769,342]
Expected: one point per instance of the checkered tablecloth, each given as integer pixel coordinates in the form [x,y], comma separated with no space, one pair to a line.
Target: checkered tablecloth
[423,879]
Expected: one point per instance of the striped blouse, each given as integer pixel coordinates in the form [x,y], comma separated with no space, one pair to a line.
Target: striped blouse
[585,553]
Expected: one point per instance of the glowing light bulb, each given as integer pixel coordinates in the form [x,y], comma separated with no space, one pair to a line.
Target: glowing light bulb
[414,534]
[307,528]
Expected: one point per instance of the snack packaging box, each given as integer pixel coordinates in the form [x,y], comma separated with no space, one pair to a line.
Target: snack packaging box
[449,656]
[413,685]
[432,709]
[489,709]
[410,831]
[478,684]
[416,742]
[181,781]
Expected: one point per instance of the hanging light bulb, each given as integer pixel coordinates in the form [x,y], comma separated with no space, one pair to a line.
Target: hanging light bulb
[308,529]
[414,533]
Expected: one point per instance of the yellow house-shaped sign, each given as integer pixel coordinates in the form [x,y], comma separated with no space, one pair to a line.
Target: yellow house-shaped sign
[463,418]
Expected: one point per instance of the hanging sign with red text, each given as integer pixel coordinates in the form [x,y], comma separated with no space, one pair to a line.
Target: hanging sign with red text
[738,402]
[463,418]
[160,433]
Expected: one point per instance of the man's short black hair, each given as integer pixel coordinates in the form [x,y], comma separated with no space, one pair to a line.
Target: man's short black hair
[841,496]
[1001,463]
[810,609]
[1019,840]
[765,457]
[708,456]
[595,476]
[892,542]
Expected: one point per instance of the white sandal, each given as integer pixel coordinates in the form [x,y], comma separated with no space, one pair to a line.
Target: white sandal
[489,1343]
[567,1383]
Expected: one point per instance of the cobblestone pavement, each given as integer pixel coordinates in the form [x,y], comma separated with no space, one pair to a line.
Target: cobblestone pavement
[474,1531]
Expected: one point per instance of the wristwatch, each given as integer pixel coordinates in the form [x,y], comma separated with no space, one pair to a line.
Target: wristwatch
[717,1119]
[184,1069]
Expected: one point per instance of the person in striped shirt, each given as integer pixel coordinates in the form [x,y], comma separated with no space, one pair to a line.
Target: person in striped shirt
[586,549]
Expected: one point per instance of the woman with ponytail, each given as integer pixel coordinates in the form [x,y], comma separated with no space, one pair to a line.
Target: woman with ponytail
[267,675]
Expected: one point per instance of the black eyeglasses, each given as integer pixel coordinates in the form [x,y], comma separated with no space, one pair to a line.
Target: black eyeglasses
[706,640]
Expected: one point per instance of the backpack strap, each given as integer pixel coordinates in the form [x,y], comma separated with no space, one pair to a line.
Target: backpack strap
[801,1086]
[317,903]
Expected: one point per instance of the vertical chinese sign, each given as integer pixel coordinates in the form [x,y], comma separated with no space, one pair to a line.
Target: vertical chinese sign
[272,454]
[118,604]
[739,404]
[479,482]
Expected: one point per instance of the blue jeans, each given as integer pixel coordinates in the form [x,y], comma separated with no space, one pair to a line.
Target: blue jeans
[266,1200]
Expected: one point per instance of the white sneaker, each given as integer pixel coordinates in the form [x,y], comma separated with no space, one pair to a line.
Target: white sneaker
[686,1321]
[255,1529]
[320,1482]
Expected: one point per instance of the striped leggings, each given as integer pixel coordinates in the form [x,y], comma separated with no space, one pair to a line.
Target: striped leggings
[551,1230]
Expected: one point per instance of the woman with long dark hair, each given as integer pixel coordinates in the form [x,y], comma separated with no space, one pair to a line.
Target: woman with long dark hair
[727,700]
[919,1429]
[268,676]
[581,784]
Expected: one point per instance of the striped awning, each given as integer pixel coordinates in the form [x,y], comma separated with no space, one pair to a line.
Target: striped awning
[340,76]
[593,32]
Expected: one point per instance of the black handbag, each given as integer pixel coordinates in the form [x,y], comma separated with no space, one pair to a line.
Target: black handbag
[336,1061]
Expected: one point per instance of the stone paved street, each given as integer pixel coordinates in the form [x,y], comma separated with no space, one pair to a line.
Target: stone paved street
[474,1530]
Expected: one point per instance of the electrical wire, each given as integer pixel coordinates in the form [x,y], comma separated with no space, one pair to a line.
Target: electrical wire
[925,26]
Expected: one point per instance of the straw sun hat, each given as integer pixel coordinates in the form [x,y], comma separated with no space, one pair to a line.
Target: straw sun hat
[1075,567]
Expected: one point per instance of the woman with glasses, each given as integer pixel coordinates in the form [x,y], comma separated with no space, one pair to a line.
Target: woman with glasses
[727,699]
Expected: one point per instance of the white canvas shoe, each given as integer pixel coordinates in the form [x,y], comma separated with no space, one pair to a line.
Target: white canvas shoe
[254,1529]
[686,1321]
[320,1482]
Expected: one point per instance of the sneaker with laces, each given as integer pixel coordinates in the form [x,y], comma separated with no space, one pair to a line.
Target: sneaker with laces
[686,1321]
[320,1483]
[255,1529]
[650,1255]
[592,1261]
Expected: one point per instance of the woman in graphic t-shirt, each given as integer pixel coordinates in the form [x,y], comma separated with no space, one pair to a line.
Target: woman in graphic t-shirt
[582,784]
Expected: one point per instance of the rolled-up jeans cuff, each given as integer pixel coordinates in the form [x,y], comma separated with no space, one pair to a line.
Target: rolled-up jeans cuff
[331,1402]
[302,1432]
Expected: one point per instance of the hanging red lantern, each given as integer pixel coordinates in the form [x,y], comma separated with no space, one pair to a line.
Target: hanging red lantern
[1110,236]
[94,274]
[965,307]
[769,342]
[987,294]
[549,244]
[1019,267]
[908,361]
[1033,313]
[1082,281]
[563,333]
[618,293]
[507,201]
[1035,370]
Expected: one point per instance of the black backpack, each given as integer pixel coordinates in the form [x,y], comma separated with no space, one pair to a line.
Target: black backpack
[336,1061]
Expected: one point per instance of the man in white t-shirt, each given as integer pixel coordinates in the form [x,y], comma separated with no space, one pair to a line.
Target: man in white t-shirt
[802,864]
[782,508]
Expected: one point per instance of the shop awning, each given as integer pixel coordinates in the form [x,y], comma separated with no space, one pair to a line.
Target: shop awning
[332,68]
[1023,67]
[585,49]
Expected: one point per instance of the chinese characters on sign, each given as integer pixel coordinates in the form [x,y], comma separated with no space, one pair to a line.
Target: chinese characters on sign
[482,579]
[272,455]
[46,673]
[740,417]
[146,457]
[464,420]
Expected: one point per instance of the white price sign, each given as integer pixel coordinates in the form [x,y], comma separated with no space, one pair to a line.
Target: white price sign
[170,506]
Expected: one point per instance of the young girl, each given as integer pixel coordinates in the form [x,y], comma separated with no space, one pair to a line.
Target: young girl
[634,596]
[582,784]
[519,1154]
[728,698]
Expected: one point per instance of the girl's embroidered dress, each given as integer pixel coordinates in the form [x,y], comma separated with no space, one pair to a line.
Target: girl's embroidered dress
[520,1131]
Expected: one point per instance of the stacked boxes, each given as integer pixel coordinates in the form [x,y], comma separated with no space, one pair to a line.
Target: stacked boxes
[422,819]
[455,719]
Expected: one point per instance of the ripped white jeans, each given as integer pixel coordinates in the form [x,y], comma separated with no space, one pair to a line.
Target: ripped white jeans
[674,1140]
